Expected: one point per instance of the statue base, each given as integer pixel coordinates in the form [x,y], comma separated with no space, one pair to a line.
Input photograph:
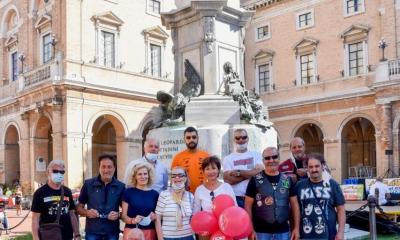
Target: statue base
[215,109]
[215,139]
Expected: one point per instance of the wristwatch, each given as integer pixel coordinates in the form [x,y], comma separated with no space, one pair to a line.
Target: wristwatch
[238,173]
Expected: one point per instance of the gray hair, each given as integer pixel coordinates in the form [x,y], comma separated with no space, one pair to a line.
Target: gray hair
[240,130]
[151,139]
[55,162]
[297,138]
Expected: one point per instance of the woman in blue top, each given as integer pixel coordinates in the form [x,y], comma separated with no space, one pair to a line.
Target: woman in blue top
[139,202]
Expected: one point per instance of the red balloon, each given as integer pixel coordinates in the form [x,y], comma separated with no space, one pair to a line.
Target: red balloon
[222,202]
[218,235]
[234,222]
[204,223]
[247,233]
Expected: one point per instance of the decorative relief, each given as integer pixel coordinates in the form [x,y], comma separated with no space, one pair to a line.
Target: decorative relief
[209,33]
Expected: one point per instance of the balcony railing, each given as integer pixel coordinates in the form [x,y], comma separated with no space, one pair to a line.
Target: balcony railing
[394,67]
[51,71]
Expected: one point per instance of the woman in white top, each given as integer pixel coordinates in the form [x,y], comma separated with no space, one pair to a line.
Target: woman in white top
[211,186]
[174,209]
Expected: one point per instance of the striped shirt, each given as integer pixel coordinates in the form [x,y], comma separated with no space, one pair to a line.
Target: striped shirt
[167,209]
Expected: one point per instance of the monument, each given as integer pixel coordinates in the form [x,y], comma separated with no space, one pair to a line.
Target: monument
[209,87]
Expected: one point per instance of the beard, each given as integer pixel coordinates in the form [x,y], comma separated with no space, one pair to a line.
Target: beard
[191,145]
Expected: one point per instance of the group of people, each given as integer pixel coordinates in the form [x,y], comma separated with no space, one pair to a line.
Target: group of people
[293,200]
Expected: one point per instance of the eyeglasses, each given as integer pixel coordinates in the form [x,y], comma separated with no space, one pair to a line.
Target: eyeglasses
[212,195]
[271,157]
[58,171]
[191,137]
[240,137]
[178,175]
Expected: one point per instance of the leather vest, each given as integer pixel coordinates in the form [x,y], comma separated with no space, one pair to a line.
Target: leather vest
[271,204]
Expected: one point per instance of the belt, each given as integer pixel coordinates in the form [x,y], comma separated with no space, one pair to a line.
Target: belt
[241,197]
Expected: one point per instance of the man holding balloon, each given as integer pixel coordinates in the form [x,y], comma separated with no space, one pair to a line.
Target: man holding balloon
[269,196]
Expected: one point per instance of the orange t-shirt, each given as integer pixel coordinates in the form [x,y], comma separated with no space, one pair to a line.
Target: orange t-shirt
[191,161]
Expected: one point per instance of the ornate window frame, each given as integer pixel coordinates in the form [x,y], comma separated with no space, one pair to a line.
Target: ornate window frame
[311,12]
[111,23]
[354,34]
[263,57]
[154,36]
[268,36]
[306,46]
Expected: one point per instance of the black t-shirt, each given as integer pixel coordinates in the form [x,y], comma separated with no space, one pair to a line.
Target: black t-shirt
[45,201]
[260,225]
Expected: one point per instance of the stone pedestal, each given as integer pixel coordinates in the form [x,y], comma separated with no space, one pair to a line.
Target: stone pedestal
[215,139]
[215,109]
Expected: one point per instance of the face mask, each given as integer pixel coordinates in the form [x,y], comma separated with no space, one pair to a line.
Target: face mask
[57,177]
[152,157]
[178,186]
[241,147]
[145,221]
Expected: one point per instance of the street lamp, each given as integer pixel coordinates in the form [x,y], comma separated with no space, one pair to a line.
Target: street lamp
[382,45]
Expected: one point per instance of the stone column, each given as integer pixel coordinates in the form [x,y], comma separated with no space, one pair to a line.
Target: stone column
[333,159]
[396,149]
[73,142]
[384,113]
[25,160]
[57,132]
[126,147]
[87,155]
[2,163]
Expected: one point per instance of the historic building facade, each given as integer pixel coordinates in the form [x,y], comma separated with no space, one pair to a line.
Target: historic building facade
[78,79]
[318,66]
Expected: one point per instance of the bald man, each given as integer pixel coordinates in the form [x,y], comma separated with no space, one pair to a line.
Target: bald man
[151,149]
[295,165]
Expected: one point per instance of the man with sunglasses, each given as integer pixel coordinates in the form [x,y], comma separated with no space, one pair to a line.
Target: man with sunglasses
[102,196]
[241,165]
[191,159]
[269,196]
[295,165]
[46,200]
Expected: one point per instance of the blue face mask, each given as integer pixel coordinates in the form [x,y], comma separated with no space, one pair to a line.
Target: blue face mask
[57,178]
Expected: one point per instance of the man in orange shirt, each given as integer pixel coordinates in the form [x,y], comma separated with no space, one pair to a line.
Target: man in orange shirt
[191,158]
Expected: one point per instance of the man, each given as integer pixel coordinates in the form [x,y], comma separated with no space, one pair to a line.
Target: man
[102,195]
[151,149]
[382,191]
[294,166]
[321,204]
[241,165]
[267,201]
[47,199]
[191,158]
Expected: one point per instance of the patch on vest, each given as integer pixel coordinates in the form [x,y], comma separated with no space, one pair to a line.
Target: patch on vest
[283,190]
[269,201]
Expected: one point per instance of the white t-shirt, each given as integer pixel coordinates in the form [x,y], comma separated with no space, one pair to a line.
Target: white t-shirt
[241,161]
[202,197]
[167,208]
[383,189]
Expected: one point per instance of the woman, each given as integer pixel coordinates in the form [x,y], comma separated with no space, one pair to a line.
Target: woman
[174,209]
[18,200]
[139,202]
[211,187]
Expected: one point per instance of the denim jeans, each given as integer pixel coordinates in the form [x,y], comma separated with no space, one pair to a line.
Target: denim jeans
[97,236]
[181,238]
[273,236]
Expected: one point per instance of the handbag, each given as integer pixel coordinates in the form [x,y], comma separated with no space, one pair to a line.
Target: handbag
[53,230]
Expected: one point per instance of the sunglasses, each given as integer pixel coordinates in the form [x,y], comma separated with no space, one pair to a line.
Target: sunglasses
[58,171]
[191,137]
[212,195]
[178,175]
[271,157]
[241,137]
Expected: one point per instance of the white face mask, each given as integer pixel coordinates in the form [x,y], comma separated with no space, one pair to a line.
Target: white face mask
[152,157]
[57,178]
[145,221]
[178,186]
[241,147]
